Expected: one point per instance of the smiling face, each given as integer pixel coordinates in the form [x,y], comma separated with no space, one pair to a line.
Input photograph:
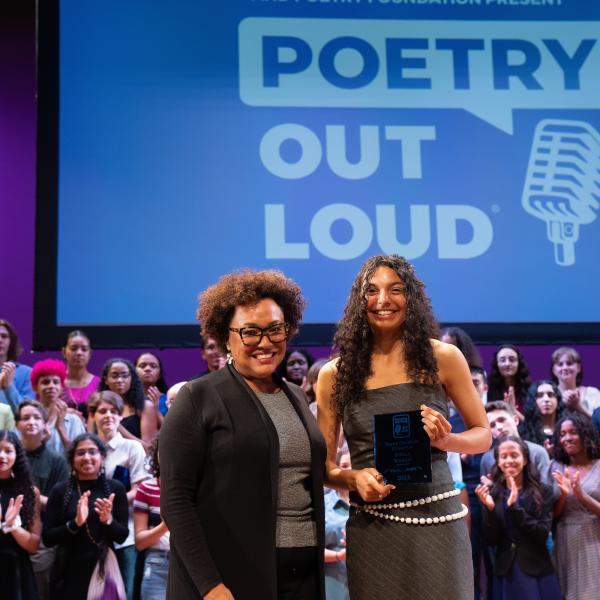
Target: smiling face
[256,363]
[508,362]
[87,460]
[296,367]
[570,440]
[386,301]
[107,420]
[8,455]
[118,378]
[48,389]
[565,369]
[77,352]
[148,369]
[546,399]
[511,460]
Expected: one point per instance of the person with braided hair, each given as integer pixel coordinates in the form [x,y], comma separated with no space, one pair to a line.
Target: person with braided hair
[19,521]
[87,515]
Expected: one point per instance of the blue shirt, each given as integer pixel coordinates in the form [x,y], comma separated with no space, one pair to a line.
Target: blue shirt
[336,515]
[19,389]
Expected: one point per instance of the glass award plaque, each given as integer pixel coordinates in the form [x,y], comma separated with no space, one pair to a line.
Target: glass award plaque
[402,447]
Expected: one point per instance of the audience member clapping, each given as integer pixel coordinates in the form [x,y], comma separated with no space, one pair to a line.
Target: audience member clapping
[47,378]
[509,376]
[14,377]
[517,520]
[543,408]
[19,521]
[86,516]
[139,417]
[567,373]
[150,371]
[576,469]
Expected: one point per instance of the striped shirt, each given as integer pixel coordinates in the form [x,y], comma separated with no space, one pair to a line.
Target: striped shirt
[147,501]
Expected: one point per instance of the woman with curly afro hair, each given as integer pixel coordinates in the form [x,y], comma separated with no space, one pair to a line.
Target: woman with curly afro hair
[390,361]
[241,457]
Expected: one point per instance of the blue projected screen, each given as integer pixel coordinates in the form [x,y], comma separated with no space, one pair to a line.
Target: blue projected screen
[198,137]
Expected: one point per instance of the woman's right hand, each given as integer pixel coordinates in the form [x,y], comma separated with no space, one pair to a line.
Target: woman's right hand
[564,485]
[153,394]
[483,493]
[369,484]
[219,592]
[83,510]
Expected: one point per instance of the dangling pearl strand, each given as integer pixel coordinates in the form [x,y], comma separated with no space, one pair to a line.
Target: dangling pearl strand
[371,509]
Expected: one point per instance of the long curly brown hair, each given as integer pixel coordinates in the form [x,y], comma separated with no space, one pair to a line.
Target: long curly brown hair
[354,338]
[218,303]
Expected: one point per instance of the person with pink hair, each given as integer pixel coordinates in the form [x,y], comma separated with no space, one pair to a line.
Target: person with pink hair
[47,380]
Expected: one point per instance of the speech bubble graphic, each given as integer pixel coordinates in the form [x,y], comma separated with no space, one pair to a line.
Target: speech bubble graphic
[487,68]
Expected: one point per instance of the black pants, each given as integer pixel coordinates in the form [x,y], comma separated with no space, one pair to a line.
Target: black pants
[297,575]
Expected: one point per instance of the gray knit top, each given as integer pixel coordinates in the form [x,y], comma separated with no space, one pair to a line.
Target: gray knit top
[296,526]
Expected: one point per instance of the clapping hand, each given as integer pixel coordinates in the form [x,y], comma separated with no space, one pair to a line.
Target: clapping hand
[483,493]
[153,394]
[7,374]
[13,510]
[437,427]
[370,485]
[83,510]
[514,491]
[103,506]
[578,491]
[564,485]
[572,399]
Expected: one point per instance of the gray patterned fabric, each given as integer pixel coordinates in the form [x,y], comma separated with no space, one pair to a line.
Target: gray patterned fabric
[389,560]
[577,541]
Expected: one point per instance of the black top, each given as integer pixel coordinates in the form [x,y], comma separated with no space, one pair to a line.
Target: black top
[133,424]
[219,459]
[520,532]
[47,467]
[81,553]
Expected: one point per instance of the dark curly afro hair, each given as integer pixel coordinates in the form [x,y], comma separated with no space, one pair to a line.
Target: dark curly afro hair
[247,287]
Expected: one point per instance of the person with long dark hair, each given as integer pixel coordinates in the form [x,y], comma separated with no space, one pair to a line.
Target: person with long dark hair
[391,360]
[241,457]
[151,373]
[139,417]
[462,340]
[576,470]
[509,377]
[20,525]
[86,515]
[543,409]
[516,520]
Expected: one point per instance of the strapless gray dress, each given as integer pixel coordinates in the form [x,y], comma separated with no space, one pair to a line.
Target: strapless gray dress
[388,560]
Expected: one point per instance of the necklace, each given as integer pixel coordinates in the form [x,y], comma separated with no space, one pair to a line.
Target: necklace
[87,529]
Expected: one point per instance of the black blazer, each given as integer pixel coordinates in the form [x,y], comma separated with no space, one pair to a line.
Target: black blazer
[520,532]
[219,467]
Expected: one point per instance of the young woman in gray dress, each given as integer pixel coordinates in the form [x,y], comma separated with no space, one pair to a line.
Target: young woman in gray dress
[390,360]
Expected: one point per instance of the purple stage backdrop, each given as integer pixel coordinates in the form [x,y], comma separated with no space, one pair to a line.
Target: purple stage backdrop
[17,211]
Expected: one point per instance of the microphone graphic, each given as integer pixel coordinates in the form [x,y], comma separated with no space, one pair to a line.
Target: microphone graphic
[562,185]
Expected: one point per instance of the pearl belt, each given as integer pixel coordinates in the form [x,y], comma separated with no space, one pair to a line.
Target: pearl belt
[371,509]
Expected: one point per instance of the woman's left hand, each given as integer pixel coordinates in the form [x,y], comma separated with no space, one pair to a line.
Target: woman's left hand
[103,506]
[437,427]
[576,488]
[514,491]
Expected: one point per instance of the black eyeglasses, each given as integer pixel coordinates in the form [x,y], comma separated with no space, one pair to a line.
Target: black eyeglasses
[252,336]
